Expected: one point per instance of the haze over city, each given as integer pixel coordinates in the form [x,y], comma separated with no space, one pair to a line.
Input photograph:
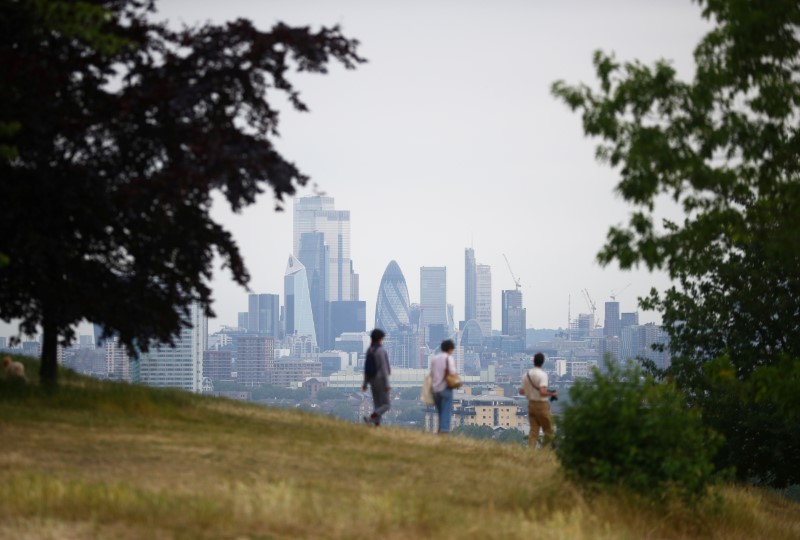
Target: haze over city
[452,139]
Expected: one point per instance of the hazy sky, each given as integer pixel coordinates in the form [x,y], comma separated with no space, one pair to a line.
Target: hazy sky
[449,137]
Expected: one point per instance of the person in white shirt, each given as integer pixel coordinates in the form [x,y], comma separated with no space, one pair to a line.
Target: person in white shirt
[441,364]
[534,387]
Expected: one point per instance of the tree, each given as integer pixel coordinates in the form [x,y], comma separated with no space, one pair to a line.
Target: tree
[118,153]
[512,436]
[621,428]
[724,148]
[474,432]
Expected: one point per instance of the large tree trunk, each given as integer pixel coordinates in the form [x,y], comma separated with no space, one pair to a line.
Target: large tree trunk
[48,371]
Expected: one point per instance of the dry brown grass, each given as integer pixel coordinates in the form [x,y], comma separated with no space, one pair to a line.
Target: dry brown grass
[107,461]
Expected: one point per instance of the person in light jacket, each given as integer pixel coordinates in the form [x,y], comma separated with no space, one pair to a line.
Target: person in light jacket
[441,364]
[376,375]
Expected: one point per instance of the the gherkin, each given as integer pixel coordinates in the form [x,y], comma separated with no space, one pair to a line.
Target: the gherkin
[392,311]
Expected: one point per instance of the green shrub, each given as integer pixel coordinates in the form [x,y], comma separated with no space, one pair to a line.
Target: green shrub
[623,429]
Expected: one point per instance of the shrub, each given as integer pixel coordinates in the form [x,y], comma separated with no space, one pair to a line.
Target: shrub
[623,429]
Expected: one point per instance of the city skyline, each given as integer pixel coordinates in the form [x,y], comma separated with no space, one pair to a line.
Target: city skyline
[437,144]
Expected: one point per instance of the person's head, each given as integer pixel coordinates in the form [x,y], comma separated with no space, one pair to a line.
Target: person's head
[448,346]
[538,359]
[377,336]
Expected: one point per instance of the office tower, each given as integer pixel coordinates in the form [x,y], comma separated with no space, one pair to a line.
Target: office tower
[611,324]
[317,214]
[263,314]
[433,295]
[84,342]
[470,285]
[392,308]
[181,365]
[243,319]
[629,319]
[3,343]
[255,359]
[350,316]
[97,331]
[514,315]
[299,315]
[483,298]
[218,365]
[313,254]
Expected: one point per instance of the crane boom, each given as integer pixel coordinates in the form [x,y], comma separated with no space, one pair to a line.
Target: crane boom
[515,278]
[614,294]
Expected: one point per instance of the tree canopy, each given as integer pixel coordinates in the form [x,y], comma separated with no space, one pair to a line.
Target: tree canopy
[114,140]
[723,147]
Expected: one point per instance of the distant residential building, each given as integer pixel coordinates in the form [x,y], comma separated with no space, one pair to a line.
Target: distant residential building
[299,315]
[32,349]
[255,359]
[314,385]
[181,365]
[514,315]
[638,341]
[218,365]
[611,323]
[291,370]
[490,410]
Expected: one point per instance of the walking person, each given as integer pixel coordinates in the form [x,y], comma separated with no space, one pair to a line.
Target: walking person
[376,375]
[534,387]
[441,365]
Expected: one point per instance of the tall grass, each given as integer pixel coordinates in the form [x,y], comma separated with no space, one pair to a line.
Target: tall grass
[105,460]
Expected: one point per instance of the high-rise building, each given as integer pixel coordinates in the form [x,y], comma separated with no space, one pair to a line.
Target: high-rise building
[470,285]
[313,254]
[218,365]
[611,324]
[317,214]
[263,314]
[483,298]
[255,359]
[299,315]
[181,365]
[629,319]
[514,315]
[392,308]
[433,298]
[4,343]
[349,316]
[243,319]
[118,362]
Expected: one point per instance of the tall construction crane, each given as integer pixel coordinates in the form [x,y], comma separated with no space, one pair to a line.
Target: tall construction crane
[515,278]
[592,306]
[614,294]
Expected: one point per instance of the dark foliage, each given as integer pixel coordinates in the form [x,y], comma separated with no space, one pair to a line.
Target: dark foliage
[120,135]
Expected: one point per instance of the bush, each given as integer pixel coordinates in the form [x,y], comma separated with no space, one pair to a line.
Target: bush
[623,429]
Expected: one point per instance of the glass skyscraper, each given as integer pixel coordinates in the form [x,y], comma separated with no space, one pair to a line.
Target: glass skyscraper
[317,214]
[313,254]
[470,285]
[483,297]
[392,309]
[299,315]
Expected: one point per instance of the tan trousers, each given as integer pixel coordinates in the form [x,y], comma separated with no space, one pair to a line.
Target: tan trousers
[539,416]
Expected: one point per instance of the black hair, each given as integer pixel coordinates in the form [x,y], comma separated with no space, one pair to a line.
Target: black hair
[538,359]
[448,345]
[377,335]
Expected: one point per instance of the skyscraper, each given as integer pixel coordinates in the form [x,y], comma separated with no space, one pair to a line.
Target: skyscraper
[255,358]
[313,254]
[299,316]
[470,285]
[349,316]
[392,308]
[611,324]
[483,288]
[514,315]
[317,214]
[433,299]
[181,365]
[263,314]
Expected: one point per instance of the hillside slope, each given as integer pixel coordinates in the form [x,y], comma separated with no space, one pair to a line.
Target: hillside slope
[104,460]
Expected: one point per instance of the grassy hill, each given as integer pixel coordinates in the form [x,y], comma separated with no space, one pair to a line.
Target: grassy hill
[104,460]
